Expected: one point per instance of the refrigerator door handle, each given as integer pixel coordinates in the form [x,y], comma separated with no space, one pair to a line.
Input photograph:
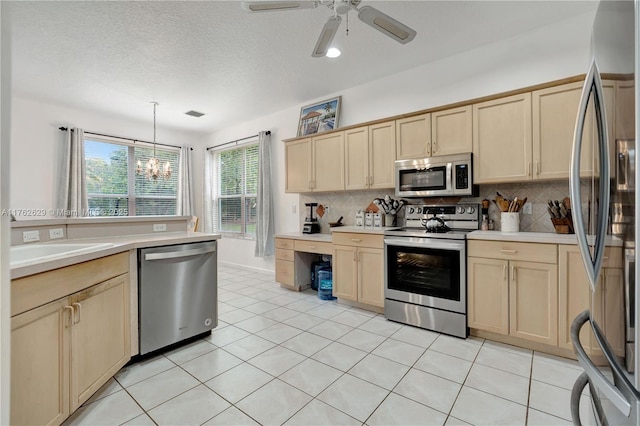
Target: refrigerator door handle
[593,262]
[576,393]
[596,378]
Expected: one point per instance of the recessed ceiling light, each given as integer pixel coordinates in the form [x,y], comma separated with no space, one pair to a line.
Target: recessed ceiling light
[194,113]
[333,52]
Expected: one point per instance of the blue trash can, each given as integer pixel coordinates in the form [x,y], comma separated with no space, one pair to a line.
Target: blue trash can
[325,285]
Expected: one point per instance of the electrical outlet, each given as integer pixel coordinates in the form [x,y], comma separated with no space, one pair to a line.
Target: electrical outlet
[30,236]
[56,233]
[526,209]
[159,227]
[293,209]
[326,209]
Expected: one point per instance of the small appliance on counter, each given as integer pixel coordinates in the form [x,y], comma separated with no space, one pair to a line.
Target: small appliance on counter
[311,225]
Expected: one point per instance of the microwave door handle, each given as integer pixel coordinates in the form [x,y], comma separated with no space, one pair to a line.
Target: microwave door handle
[623,163]
[592,85]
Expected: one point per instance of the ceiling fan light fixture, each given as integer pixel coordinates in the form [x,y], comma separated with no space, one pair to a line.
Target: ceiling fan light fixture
[333,52]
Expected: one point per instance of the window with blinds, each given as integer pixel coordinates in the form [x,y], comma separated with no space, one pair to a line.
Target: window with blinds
[235,190]
[113,187]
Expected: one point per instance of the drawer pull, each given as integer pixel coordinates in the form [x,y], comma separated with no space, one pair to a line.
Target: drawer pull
[508,251]
[356,240]
[313,247]
[78,311]
[70,315]
[504,272]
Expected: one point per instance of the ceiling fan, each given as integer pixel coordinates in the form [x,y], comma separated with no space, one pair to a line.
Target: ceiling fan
[367,14]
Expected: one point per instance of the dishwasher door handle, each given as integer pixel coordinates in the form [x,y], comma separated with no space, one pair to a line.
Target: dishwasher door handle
[178,254]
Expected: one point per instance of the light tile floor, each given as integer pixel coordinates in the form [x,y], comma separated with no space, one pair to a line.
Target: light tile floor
[281,357]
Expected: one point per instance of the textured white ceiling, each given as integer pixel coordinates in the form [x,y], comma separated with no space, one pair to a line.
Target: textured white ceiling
[211,56]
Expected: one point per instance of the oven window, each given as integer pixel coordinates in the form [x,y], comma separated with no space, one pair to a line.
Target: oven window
[423,180]
[425,271]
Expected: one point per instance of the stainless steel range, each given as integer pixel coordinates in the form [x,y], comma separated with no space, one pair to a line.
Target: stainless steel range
[425,267]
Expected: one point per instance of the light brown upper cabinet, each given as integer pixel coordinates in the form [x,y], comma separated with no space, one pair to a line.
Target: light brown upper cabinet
[413,137]
[502,139]
[439,133]
[315,164]
[369,153]
[452,131]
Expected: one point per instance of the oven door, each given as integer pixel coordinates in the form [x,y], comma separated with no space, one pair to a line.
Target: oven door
[426,271]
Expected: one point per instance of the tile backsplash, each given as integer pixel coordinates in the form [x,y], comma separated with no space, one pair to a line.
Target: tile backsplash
[347,203]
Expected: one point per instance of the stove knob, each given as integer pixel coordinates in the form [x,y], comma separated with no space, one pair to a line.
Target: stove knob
[471,210]
[460,209]
[411,210]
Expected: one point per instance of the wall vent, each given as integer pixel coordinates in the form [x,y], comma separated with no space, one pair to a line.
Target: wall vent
[194,113]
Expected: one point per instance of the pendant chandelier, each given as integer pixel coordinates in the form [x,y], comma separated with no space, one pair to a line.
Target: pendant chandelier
[153,170]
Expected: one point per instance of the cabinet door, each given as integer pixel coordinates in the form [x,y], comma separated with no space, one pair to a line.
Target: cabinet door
[285,271]
[298,165]
[625,110]
[488,292]
[371,276]
[451,131]
[502,139]
[356,156]
[40,341]
[328,162]
[345,273]
[382,155]
[413,137]
[533,294]
[554,119]
[574,296]
[612,306]
[100,336]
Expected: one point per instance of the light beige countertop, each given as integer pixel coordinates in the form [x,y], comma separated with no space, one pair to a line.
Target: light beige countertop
[327,237]
[536,237]
[310,237]
[119,244]
[363,230]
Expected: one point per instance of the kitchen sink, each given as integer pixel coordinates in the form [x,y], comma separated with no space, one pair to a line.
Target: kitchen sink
[34,253]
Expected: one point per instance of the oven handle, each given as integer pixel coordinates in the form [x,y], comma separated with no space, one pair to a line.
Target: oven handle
[433,243]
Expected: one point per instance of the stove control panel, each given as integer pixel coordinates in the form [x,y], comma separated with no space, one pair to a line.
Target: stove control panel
[456,216]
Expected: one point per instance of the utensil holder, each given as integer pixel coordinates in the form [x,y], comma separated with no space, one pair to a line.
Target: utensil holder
[389,220]
[563,225]
[509,222]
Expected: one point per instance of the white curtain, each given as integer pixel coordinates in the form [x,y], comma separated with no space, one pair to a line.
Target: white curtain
[209,210]
[185,205]
[72,195]
[264,203]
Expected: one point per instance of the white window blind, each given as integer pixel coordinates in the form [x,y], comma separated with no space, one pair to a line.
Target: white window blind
[235,175]
[114,189]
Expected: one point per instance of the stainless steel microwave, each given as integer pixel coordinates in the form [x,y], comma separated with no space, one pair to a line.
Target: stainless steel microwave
[440,176]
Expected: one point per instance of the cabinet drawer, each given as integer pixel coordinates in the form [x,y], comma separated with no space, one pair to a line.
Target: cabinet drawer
[282,254]
[360,240]
[284,272]
[313,247]
[283,243]
[531,252]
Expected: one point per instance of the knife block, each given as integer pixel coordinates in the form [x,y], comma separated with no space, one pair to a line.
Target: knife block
[563,225]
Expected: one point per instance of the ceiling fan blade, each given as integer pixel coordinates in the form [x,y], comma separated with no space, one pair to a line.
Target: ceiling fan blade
[386,24]
[326,36]
[271,6]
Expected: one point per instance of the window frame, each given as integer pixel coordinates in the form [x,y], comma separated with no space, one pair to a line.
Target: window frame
[244,196]
[131,196]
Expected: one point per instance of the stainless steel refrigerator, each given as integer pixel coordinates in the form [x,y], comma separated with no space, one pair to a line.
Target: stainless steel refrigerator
[604,210]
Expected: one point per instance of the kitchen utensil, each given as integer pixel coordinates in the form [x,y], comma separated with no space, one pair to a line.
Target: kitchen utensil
[372,208]
[320,210]
[337,223]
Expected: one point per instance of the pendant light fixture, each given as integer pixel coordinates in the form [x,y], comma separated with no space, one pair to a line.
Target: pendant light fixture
[152,170]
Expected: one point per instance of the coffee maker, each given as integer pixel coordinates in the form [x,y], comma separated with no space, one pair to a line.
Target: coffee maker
[311,225]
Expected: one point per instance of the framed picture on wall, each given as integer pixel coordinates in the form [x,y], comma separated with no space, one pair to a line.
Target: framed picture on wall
[319,117]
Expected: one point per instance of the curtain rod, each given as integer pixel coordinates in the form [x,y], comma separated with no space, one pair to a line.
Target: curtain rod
[64,129]
[268,132]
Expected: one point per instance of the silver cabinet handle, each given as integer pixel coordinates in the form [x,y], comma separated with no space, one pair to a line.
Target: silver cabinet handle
[596,378]
[178,254]
[593,263]
[356,240]
[508,251]
[513,273]
[77,310]
[504,272]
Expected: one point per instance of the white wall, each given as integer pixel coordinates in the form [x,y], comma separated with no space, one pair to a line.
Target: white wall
[36,143]
[550,53]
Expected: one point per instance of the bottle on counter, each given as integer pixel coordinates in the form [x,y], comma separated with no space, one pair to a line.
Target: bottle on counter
[484,226]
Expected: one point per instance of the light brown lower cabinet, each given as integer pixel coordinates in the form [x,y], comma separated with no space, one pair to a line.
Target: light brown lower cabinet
[64,351]
[358,268]
[607,304]
[511,295]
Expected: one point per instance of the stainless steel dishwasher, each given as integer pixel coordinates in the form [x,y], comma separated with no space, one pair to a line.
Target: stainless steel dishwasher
[178,293]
